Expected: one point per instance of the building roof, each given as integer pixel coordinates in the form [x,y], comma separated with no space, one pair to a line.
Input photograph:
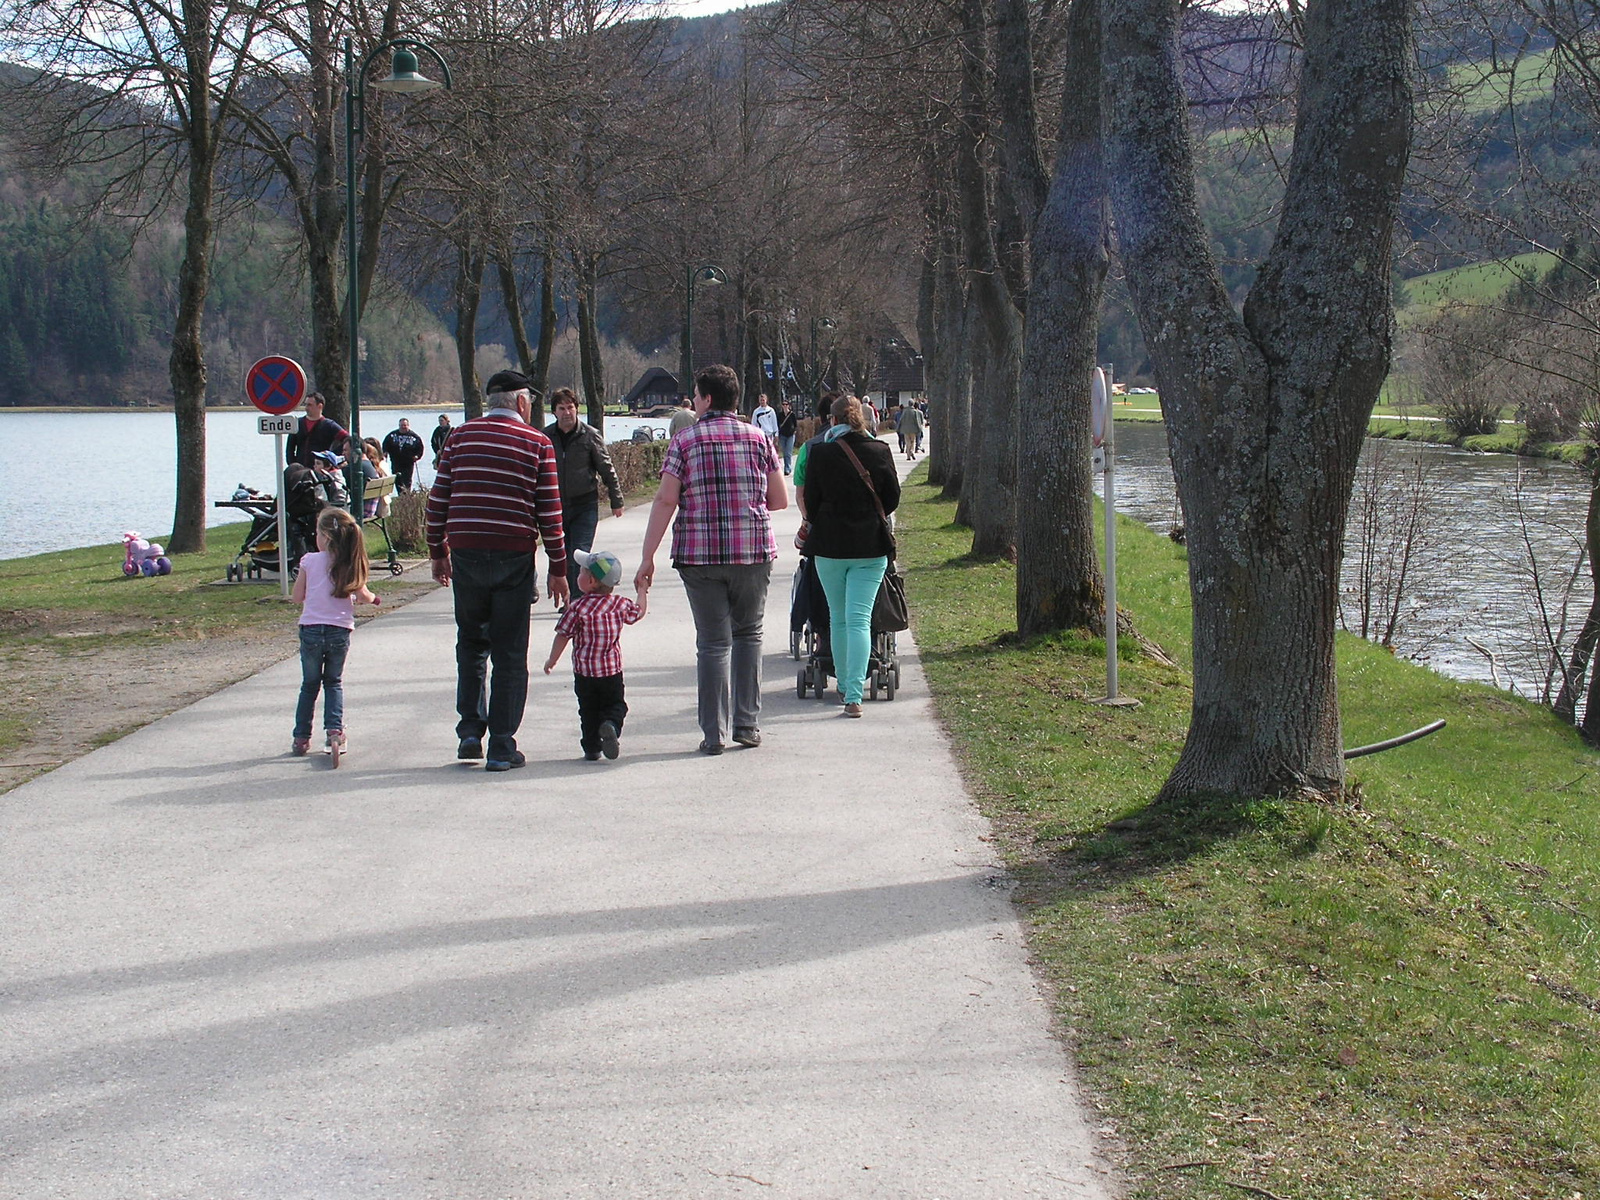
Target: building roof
[657,381]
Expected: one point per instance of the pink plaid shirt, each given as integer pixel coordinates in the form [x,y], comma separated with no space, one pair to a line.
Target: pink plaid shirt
[722,464]
[594,621]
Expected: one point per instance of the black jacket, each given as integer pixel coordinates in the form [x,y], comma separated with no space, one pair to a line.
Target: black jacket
[581,456]
[844,520]
[403,449]
[326,434]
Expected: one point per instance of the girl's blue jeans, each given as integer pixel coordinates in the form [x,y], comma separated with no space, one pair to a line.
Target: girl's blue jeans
[322,653]
[851,585]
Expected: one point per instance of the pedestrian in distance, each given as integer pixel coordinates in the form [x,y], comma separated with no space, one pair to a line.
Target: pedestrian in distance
[681,419]
[850,487]
[314,433]
[722,479]
[583,465]
[788,425]
[331,582]
[441,434]
[911,426]
[495,497]
[592,624]
[765,418]
[404,449]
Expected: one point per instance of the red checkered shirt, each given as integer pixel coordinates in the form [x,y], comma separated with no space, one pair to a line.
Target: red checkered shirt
[723,465]
[594,622]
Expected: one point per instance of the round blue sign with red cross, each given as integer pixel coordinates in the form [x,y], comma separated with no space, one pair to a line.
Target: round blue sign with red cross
[276,385]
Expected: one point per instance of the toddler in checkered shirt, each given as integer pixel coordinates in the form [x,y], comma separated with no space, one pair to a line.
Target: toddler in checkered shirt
[593,623]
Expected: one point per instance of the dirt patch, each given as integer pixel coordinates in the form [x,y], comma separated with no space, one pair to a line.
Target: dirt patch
[77,698]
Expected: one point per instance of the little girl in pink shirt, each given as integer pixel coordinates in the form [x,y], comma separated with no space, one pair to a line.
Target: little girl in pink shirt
[332,579]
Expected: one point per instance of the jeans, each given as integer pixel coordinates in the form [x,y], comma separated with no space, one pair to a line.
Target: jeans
[579,523]
[493,591]
[786,447]
[728,603]
[322,653]
[852,586]
[600,699]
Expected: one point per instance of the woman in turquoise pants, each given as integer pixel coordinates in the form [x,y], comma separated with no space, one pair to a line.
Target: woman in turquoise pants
[850,489]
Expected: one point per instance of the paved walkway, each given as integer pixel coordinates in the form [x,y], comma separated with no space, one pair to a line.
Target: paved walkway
[791,971]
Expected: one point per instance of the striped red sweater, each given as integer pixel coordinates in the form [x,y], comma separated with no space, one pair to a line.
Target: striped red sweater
[496,489]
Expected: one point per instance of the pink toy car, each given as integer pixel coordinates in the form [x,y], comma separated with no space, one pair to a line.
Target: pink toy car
[144,558]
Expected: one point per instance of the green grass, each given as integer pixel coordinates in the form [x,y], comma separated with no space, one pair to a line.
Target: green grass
[1475,283]
[1397,997]
[1487,87]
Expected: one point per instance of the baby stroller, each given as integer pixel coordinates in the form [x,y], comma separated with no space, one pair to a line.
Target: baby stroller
[809,637]
[304,499]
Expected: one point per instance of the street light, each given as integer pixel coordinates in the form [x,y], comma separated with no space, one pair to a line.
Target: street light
[403,77]
[816,369]
[705,273]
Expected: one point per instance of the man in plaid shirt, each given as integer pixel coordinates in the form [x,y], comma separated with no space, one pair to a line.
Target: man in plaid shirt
[722,478]
[593,624]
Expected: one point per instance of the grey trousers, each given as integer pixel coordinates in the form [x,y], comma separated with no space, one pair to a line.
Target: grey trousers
[728,603]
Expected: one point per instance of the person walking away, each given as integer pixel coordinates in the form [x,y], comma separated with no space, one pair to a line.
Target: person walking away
[495,497]
[593,623]
[582,464]
[721,478]
[314,433]
[403,448]
[766,420]
[911,426]
[331,582]
[440,435]
[850,488]
[681,419]
[788,424]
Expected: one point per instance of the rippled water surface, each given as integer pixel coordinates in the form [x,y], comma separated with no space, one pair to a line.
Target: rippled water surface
[1475,584]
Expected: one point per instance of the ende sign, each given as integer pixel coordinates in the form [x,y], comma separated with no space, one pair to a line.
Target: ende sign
[278,425]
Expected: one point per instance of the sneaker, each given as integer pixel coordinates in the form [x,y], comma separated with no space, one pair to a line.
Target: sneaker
[747,737]
[852,710]
[710,747]
[591,756]
[470,748]
[337,746]
[301,747]
[514,760]
[608,739]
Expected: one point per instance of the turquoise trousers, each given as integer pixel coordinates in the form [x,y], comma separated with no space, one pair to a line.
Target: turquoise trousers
[851,585]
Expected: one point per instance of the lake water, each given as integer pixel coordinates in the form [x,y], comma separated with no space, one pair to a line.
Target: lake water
[82,479]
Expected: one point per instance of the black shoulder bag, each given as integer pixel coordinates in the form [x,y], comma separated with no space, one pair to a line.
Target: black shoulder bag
[889,611]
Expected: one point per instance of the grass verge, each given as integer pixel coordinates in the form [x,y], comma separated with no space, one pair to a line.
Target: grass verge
[1400,997]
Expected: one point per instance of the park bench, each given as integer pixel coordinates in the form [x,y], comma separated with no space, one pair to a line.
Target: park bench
[381,489]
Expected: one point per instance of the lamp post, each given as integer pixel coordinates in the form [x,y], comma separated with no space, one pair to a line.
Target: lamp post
[403,77]
[705,273]
[816,367]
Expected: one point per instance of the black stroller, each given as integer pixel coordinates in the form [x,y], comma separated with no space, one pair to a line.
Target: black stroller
[304,499]
[809,640]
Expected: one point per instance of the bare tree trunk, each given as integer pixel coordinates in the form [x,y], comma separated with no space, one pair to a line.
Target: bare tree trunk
[469,292]
[540,374]
[953,412]
[594,375]
[512,299]
[1058,583]
[1266,414]
[186,363]
[1572,680]
[989,496]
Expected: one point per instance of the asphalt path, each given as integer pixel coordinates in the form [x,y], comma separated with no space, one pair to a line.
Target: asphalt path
[786,971]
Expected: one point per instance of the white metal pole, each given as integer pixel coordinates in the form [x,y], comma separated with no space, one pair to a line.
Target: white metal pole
[1111,547]
[283,520]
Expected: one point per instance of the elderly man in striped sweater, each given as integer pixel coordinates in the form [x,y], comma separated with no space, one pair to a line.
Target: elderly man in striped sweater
[495,496]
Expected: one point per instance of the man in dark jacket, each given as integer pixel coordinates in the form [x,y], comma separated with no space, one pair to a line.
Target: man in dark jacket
[403,449]
[583,464]
[315,433]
